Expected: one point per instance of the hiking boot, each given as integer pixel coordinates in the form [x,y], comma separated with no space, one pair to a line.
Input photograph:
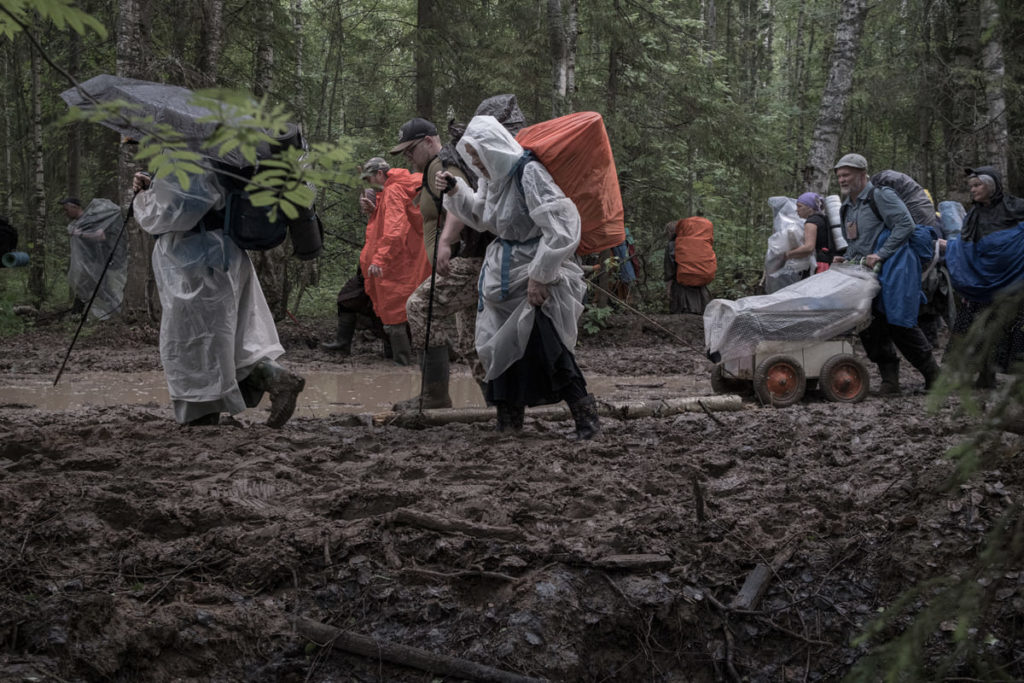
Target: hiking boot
[930,371]
[401,347]
[584,412]
[343,340]
[284,388]
[986,378]
[434,392]
[890,385]
[208,420]
[510,418]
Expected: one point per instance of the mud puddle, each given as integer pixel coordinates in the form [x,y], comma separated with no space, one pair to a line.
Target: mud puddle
[326,393]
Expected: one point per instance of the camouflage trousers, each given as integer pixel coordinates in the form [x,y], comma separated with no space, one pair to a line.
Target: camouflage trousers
[453,320]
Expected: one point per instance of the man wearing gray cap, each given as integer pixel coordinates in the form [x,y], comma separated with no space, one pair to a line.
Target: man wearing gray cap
[867,211]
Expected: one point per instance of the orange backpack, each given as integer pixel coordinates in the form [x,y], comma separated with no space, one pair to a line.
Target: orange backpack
[576,152]
[696,263]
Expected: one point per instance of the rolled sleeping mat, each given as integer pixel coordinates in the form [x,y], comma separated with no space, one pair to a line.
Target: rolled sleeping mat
[15,259]
[832,205]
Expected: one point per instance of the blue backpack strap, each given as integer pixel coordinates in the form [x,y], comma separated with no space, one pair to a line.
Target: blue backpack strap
[517,170]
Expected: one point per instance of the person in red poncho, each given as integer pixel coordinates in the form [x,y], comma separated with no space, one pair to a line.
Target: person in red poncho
[393,257]
[690,264]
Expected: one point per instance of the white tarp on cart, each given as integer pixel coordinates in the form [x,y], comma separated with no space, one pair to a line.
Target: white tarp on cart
[818,308]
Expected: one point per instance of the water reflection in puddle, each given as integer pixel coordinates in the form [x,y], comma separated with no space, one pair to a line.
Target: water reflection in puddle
[325,393]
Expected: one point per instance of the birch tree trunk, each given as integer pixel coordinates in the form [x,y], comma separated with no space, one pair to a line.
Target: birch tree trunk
[843,58]
[8,114]
[140,298]
[263,62]
[300,91]
[563,31]
[74,184]
[997,136]
[37,233]
[425,59]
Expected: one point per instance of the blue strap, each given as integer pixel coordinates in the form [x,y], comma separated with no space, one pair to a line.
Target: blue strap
[506,261]
[480,289]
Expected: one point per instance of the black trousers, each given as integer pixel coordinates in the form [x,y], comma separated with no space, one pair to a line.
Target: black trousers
[547,373]
[881,340]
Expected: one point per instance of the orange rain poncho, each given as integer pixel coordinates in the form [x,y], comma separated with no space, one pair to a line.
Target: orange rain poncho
[394,241]
[695,257]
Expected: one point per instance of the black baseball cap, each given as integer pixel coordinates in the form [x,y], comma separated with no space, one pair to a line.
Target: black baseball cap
[70,200]
[412,131]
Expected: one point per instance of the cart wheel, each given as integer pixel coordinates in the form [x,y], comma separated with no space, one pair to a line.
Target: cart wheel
[721,384]
[780,381]
[844,379]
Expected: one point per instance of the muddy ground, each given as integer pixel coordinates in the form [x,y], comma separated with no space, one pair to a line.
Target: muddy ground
[132,549]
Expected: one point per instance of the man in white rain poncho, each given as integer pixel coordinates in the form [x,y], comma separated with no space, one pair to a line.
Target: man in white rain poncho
[94,233]
[218,342]
[531,290]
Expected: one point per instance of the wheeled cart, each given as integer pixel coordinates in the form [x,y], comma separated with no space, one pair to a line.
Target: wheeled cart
[780,374]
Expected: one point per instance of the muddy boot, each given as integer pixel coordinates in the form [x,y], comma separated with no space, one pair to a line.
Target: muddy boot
[346,330]
[584,413]
[283,386]
[510,418]
[890,373]
[930,371]
[986,377]
[401,348]
[208,420]
[434,393]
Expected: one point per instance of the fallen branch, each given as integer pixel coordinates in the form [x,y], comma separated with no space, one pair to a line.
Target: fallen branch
[404,655]
[758,579]
[462,574]
[633,562]
[459,526]
[623,410]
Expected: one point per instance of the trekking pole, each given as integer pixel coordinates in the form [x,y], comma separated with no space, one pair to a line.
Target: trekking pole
[438,202]
[88,306]
[661,327]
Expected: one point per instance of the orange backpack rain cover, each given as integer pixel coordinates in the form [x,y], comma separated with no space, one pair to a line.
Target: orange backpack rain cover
[695,258]
[577,154]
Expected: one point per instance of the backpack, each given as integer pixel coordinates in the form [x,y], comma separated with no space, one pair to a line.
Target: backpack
[576,152]
[250,226]
[915,197]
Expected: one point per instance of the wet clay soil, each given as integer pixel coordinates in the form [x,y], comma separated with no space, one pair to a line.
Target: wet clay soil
[132,549]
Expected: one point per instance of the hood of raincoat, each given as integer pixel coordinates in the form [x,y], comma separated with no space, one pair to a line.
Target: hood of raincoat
[497,149]
[1002,211]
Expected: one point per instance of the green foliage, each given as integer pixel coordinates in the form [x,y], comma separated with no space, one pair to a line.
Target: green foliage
[16,14]
[595,319]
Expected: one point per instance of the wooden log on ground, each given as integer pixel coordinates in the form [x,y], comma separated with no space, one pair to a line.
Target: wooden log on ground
[758,580]
[623,410]
[404,655]
[634,562]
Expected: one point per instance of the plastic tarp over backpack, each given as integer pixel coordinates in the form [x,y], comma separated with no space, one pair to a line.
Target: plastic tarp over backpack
[830,303]
[576,152]
[787,234]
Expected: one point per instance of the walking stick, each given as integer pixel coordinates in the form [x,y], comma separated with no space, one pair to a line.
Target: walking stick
[88,306]
[430,299]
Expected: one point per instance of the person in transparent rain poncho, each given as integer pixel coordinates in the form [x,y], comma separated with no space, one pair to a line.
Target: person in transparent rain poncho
[531,289]
[94,233]
[218,342]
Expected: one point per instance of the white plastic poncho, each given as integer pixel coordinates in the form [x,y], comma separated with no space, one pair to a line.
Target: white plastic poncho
[832,302]
[538,231]
[94,235]
[787,234]
[216,324]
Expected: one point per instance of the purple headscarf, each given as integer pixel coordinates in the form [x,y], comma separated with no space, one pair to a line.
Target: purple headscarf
[813,201]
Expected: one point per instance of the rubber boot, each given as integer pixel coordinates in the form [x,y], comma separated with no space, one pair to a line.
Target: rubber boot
[510,418]
[401,348]
[930,371]
[434,392]
[346,331]
[584,413]
[986,377]
[284,388]
[890,373]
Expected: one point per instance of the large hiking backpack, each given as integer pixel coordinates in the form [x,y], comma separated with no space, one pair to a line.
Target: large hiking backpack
[250,226]
[576,152]
[916,198]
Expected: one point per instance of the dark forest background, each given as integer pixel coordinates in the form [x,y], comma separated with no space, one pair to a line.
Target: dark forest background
[712,106]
